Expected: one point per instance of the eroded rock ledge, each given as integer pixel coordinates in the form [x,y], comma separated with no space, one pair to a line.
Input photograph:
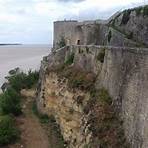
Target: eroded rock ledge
[96,95]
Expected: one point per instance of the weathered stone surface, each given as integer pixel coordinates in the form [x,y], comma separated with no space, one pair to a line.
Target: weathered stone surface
[124,73]
[133,25]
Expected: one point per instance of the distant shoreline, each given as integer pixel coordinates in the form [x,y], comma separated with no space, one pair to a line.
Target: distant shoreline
[10,44]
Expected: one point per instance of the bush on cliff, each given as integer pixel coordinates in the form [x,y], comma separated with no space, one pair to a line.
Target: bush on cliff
[62,42]
[70,59]
[126,17]
[8,132]
[10,102]
[101,55]
[105,124]
[21,80]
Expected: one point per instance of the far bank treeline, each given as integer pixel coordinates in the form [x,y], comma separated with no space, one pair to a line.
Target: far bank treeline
[10,102]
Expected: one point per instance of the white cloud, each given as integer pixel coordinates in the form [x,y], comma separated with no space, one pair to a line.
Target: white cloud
[31,20]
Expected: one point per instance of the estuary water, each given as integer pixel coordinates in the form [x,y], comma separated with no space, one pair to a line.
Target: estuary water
[23,56]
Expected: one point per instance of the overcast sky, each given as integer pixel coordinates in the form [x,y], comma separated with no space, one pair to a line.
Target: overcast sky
[30,21]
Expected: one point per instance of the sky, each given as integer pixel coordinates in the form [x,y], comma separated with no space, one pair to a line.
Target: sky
[31,21]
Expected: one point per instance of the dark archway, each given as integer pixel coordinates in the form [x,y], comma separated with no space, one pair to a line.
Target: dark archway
[78,42]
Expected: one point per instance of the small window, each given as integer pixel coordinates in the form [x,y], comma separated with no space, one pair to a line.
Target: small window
[78,42]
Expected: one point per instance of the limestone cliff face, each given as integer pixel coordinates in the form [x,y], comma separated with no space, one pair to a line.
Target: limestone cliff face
[61,102]
[122,72]
[55,97]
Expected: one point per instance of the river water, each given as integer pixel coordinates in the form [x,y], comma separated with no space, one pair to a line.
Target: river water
[24,56]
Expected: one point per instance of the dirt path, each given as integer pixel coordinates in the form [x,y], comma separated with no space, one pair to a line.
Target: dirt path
[33,135]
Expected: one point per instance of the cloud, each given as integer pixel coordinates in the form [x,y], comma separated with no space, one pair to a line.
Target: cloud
[71,0]
[29,21]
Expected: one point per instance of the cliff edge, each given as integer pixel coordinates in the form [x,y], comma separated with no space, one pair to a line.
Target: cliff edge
[98,94]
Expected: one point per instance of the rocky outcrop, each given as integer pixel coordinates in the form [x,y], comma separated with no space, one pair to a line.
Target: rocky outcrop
[133,24]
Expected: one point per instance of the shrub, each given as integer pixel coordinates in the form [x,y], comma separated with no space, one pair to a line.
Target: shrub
[101,95]
[130,35]
[10,102]
[20,80]
[70,59]
[109,35]
[62,42]
[126,17]
[104,97]
[101,55]
[8,132]
[138,11]
[17,81]
[31,79]
[145,10]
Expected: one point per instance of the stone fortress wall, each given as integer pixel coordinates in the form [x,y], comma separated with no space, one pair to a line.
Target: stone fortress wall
[79,33]
[122,29]
[124,73]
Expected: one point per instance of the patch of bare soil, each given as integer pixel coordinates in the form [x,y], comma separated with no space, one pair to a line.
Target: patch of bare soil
[33,134]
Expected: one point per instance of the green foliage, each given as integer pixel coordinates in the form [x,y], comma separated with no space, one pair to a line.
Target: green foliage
[101,55]
[109,35]
[138,11]
[8,132]
[126,17]
[104,96]
[101,95]
[79,79]
[21,80]
[10,102]
[145,10]
[62,42]
[31,79]
[70,59]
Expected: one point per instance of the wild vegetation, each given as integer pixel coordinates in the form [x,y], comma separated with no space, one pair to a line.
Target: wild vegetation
[109,35]
[105,124]
[62,42]
[100,56]
[8,131]
[70,59]
[10,102]
[126,17]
